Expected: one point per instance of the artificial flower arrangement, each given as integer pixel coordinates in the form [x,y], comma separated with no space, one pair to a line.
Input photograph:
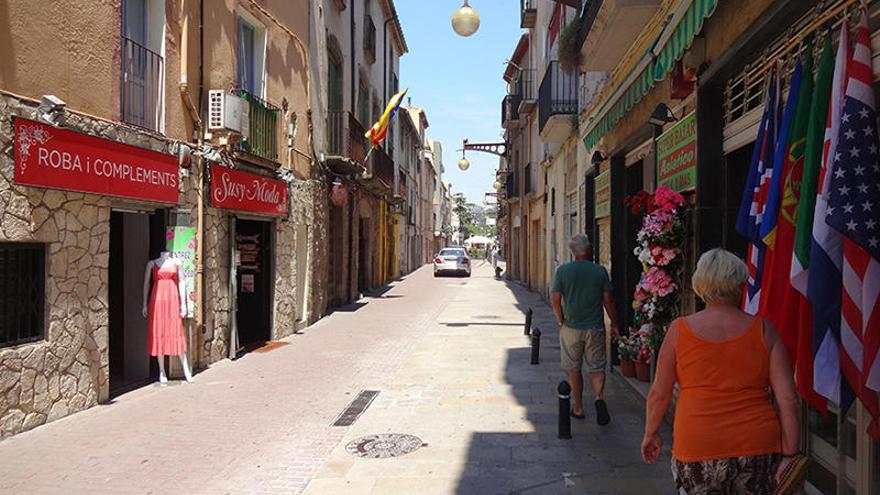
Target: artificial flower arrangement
[655,300]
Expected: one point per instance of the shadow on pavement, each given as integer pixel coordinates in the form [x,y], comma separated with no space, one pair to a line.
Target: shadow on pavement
[596,461]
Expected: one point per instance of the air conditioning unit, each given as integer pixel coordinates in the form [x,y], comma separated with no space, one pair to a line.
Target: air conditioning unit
[227,112]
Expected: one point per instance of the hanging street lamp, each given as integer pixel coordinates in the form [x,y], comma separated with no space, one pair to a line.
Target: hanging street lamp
[465,20]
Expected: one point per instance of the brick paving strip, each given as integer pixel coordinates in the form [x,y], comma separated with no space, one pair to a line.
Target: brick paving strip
[261,424]
[488,418]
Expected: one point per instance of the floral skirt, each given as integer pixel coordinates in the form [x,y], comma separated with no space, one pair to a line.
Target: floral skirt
[754,475]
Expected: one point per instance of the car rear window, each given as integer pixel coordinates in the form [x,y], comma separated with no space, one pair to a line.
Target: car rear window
[452,252]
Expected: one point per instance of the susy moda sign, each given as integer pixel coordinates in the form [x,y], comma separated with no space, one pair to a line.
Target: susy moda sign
[243,191]
[603,194]
[677,155]
[47,156]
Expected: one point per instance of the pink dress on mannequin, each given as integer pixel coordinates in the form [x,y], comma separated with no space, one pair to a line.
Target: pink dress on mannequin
[165,326]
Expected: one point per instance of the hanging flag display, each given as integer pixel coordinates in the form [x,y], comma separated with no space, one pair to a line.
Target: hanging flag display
[379,131]
[755,194]
[800,261]
[854,212]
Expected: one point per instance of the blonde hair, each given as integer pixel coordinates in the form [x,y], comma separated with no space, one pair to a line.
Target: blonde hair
[719,277]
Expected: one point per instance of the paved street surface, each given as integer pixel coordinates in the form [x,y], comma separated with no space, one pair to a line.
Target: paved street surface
[451,366]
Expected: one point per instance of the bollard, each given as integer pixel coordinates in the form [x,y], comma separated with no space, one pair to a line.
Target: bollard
[564,390]
[536,345]
[527,330]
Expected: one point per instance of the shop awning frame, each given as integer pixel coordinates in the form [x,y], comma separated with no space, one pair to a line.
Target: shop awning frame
[653,67]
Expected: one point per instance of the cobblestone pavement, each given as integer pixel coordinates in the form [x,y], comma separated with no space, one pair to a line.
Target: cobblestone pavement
[451,364]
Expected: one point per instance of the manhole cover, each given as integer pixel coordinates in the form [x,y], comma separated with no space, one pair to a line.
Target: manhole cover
[384,445]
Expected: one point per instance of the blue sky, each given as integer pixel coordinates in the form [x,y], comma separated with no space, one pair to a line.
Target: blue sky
[457,81]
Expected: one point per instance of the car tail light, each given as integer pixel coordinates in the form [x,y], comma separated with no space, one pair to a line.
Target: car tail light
[438,261]
[465,261]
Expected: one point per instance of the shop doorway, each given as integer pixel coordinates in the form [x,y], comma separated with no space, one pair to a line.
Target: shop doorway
[736,172]
[135,239]
[254,247]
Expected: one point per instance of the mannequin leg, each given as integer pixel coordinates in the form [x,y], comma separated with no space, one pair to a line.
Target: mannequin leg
[163,378]
[185,365]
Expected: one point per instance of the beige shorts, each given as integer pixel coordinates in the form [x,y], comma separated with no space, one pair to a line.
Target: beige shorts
[577,346]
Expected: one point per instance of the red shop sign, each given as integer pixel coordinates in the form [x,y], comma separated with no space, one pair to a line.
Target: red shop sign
[47,156]
[237,190]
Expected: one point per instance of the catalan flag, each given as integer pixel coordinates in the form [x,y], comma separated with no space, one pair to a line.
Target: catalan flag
[379,131]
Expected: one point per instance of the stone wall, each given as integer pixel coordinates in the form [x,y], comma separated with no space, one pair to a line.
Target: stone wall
[68,371]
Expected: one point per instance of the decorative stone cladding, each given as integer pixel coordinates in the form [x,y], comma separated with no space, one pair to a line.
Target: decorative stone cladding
[68,371]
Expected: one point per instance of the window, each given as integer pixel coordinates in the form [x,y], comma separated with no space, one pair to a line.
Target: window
[251,55]
[141,63]
[22,292]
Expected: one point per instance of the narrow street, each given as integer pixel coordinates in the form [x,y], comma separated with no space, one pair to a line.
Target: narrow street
[451,366]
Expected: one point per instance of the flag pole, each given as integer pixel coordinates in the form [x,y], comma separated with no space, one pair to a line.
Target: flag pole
[367,157]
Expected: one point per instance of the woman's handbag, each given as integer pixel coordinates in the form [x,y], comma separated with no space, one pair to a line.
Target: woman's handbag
[793,475]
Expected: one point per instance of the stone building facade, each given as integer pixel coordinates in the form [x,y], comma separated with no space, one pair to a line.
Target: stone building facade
[89,343]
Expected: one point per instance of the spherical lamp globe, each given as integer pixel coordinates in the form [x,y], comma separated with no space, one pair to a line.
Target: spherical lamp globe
[464,164]
[497,185]
[466,20]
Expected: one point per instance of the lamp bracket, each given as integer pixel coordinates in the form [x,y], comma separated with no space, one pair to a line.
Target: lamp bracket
[499,149]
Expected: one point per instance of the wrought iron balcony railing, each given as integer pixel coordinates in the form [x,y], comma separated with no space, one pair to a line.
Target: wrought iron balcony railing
[511,185]
[558,94]
[346,136]
[525,85]
[262,137]
[140,91]
[510,109]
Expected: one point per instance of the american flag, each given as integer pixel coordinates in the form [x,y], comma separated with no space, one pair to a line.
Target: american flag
[854,211]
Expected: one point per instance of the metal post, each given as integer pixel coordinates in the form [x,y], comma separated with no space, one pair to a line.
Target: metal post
[527,329]
[564,391]
[536,345]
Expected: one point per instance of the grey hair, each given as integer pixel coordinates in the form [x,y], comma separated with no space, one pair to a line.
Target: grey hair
[579,244]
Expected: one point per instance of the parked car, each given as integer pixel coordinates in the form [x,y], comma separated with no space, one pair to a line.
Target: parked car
[452,260]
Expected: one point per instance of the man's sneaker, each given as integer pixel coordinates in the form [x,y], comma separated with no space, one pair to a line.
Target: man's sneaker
[602,416]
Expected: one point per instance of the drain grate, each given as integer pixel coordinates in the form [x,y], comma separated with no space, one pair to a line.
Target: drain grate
[357,407]
[384,445]
[487,317]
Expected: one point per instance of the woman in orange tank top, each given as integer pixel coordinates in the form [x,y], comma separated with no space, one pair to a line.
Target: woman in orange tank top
[728,437]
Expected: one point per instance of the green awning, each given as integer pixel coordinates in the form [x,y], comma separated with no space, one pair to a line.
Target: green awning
[655,70]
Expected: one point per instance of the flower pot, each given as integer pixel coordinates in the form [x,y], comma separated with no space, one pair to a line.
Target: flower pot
[627,368]
[643,371]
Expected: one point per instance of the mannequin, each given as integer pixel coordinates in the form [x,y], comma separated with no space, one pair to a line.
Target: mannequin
[164,307]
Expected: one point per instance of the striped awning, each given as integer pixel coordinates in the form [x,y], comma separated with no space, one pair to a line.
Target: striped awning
[655,70]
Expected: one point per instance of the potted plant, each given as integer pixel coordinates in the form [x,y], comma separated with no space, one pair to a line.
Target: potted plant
[625,352]
[643,364]
[569,50]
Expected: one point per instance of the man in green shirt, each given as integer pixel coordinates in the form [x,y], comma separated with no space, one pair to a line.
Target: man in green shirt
[580,291]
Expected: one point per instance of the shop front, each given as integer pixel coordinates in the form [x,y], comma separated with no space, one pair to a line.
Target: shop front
[254,206]
[844,459]
[83,214]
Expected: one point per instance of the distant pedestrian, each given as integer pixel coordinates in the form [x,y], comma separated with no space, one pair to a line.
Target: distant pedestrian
[580,290]
[729,437]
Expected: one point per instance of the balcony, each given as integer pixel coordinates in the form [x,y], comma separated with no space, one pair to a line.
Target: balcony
[140,92]
[369,40]
[608,28]
[346,144]
[379,176]
[557,103]
[262,138]
[529,13]
[525,87]
[511,186]
[510,110]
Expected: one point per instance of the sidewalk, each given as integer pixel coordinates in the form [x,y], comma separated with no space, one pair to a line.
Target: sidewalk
[488,418]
